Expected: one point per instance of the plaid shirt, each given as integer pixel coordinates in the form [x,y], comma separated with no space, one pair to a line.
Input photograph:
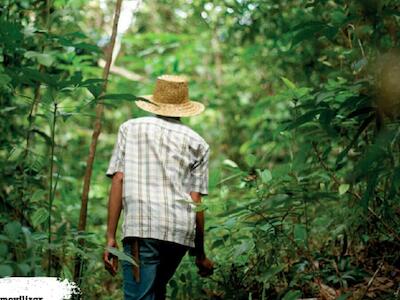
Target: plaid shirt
[162,161]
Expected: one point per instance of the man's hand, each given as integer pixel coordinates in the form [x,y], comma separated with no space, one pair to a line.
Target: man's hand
[110,261]
[205,266]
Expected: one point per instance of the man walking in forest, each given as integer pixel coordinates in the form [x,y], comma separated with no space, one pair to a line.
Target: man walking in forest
[159,167]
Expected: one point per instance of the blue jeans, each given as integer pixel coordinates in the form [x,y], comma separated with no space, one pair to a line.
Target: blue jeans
[158,263]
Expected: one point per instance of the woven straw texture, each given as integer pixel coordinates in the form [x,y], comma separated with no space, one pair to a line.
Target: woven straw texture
[171,98]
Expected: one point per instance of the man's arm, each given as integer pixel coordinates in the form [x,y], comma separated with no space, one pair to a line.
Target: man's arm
[199,237]
[203,263]
[114,212]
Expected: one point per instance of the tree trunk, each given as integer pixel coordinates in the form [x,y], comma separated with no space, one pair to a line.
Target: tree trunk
[93,144]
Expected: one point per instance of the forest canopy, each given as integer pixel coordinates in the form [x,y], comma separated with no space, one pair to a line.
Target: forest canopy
[303,115]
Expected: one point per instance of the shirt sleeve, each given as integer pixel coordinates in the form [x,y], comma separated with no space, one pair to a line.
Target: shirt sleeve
[116,163]
[199,172]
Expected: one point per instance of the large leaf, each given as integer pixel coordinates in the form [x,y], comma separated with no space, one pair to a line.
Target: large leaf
[307,117]
[312,30]
[121,255]
[265,175]
[288,83]
[3,250]
[300,234]
[5,271]
[270,273]
[343,188]
[292,295]
[230,163]
[360,130]
[42,58]
[251,160]
[13,229]
[40,216]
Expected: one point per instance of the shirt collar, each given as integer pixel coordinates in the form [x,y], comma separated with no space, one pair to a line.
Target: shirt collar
[169,119]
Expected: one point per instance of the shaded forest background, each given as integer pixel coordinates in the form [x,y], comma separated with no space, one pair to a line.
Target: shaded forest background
[303,115]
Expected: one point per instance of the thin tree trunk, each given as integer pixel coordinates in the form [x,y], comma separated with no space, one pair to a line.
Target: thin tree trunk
[37,95]
[93,145]
[51,189]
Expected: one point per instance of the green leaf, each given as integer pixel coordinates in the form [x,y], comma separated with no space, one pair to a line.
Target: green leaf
[66,273]
[270,273]
[28,237]
[343,188]
[142,99]
[38,196]
[361,111]
[360,130]
[95,90]
[344,296]
[311,31]
[307,117]
[217,243]
[4,79]
[42,58]
[5,271]
[265,175]
[325,119]
[200,207]
[13,229]
[7,109]
[230,163]
[3,250]
[292,295]
[65,115]
[45,59]
[173,283]
[300,233]
[4,238]
[24,269]
[88,47]
[250,160]
[288,83]
[338,17]
[92,81]
[306,31]
[121,255]
[196,206]
[40,216]
[43,135]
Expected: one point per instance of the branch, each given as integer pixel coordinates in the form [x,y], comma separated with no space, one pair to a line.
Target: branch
[354,194]
[122,71]
[371,280]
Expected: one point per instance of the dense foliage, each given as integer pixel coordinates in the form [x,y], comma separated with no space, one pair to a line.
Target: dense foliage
[303,121]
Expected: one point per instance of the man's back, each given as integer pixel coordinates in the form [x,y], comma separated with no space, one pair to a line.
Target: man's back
[162,161]
[158,167]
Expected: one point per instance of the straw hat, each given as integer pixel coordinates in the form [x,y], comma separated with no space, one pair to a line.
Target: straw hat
[171,98]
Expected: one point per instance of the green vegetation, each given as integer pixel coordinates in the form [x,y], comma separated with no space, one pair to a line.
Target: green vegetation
[303,121]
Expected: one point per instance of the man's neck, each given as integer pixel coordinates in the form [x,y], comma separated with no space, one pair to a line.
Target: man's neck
[178,119]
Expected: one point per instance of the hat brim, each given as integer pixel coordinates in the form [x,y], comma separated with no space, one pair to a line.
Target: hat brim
[187,109]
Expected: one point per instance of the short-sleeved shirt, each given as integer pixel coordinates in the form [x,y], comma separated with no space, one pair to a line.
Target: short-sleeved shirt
[162,161]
